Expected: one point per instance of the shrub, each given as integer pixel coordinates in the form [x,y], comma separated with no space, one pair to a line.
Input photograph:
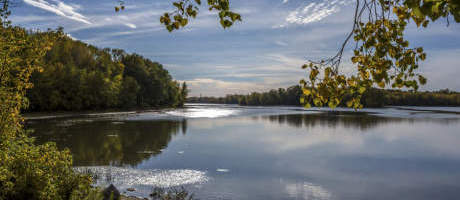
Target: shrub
[29,171]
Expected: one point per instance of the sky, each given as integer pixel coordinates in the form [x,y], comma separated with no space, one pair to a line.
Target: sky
[265,51]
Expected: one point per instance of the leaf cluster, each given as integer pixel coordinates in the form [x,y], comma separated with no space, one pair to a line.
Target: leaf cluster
[382,55]
[188,9]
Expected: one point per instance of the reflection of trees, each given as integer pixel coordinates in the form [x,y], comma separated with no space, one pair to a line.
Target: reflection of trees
[104,142]
[346,119]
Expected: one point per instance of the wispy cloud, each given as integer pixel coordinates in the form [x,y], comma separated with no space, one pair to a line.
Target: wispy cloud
[286,60]
[59,8]
[315,11]
[281,43]
[133,19]
[130,25]
[214,87]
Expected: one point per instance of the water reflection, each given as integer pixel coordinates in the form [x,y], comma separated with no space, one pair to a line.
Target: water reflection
[344,119]
[307,191]
[109,143]
[262,155]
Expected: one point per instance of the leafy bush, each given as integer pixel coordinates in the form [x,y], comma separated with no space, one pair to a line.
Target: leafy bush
[171,194]
[29,171]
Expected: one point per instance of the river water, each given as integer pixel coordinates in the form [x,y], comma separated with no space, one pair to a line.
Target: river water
[233,152]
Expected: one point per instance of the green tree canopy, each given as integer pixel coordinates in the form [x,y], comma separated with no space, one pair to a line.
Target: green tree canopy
[78,76]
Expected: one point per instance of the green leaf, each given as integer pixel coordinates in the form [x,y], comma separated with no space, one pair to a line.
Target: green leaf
[417,12]
[350,103]
[436,7]
[422,80]
[317,101]
[332,105]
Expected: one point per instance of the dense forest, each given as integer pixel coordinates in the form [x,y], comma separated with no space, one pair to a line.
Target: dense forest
[371,98]
[78,76]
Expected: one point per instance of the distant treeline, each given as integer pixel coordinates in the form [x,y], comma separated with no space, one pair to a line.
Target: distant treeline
[372,98]
[78,76]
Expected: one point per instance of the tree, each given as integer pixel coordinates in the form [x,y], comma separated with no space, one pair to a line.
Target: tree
[183,94]
[28,171]
[78,76]
[129,91]
[382,54]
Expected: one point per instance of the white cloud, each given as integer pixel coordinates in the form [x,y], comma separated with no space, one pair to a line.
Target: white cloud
[287,60]
[315,11]
[213,87]
[285,1]
[130,25]
[60,8]
[441,69]
[71,37]
[134,19]
[281,43]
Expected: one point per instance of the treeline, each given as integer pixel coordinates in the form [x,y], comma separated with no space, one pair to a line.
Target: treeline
[289,96]
[373,97]
[78,76]
[437,98]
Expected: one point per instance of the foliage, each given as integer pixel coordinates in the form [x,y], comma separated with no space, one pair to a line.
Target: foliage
[90,145]
[78,76]
[171,194]
[289,96]
[185,10]
[28,171]
[183,94]
[437,98]
[382,55]
[372,97]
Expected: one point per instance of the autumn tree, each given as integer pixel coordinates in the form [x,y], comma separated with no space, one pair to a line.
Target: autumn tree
[382,55]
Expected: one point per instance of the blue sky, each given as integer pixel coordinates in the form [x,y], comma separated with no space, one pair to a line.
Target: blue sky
[265,51]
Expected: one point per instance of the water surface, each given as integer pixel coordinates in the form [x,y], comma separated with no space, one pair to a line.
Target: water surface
[233,152]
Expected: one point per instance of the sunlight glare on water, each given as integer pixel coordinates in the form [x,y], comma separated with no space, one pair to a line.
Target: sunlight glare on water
[203,112]
[125,178]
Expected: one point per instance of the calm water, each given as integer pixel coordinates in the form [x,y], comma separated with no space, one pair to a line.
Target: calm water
[232,152]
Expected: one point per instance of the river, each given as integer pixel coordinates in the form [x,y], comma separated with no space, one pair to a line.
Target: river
[262,153]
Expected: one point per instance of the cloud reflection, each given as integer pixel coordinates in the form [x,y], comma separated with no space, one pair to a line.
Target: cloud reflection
[307,191]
